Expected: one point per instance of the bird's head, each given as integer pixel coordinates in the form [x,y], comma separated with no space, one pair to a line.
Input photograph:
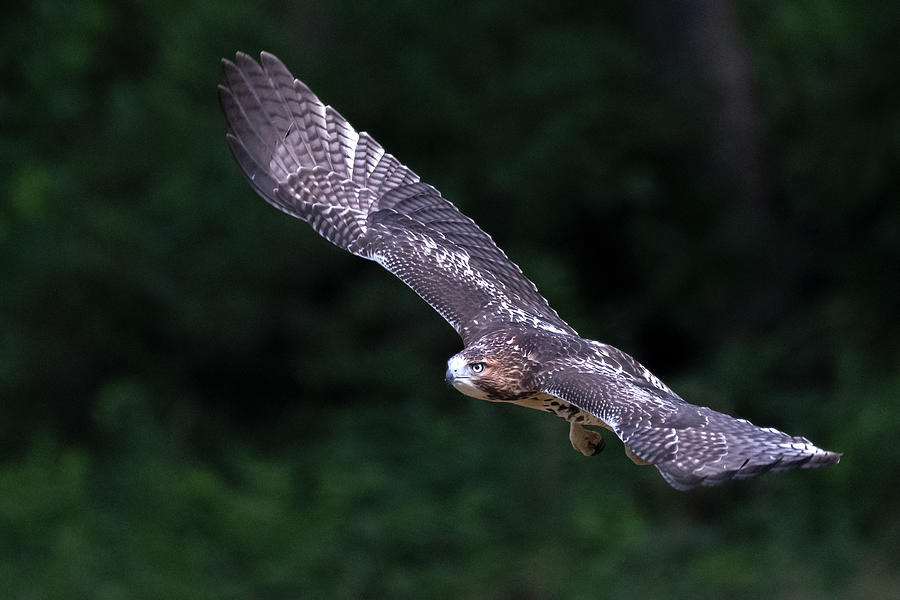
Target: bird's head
[493,371]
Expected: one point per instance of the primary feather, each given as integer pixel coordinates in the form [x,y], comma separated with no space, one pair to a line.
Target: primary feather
[305,159]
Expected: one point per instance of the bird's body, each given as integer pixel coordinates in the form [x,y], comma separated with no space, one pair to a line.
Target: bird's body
[305,159]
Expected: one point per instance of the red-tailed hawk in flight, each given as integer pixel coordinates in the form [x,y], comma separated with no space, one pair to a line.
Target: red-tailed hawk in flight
[307,160]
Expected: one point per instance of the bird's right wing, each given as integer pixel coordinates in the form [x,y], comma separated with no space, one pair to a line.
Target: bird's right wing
[689,445]
[307,160]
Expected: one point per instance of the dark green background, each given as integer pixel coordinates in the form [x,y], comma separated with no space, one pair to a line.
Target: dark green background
[200,398]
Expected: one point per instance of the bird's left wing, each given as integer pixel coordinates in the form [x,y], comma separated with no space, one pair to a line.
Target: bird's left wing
[307,160]
[689,445]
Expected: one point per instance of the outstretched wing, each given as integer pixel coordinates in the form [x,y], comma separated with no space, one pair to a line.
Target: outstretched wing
[307,160]
[689,445]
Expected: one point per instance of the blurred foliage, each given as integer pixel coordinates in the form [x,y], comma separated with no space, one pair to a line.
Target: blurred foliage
[199,398]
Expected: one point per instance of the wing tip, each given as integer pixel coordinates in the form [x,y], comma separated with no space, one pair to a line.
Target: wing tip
[268,56]
[240,57]
[684,479]
[824,458]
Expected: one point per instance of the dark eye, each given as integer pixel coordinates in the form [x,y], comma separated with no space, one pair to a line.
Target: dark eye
[477,367]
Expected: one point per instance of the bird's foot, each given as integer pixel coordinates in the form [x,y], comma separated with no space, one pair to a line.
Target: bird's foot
[586,441]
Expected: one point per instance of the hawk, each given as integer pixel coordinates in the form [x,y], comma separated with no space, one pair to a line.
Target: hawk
[305,159]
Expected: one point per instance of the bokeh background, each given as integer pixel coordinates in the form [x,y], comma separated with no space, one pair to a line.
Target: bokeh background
[200,398]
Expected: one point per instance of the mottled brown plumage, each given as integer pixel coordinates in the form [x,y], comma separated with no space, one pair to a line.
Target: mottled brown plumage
[304,158]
